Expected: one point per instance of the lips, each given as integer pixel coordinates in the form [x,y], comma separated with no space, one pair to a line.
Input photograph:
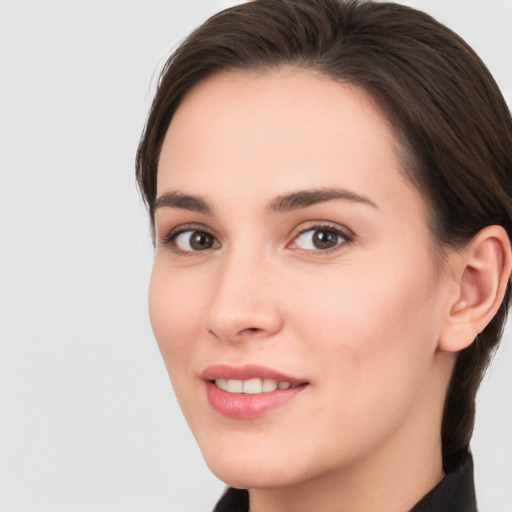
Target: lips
[249,391]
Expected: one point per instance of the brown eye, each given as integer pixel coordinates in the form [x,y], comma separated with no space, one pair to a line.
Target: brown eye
[194,241]
[318,239]
[325,239]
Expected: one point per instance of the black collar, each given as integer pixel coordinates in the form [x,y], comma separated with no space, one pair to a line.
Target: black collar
[454,493]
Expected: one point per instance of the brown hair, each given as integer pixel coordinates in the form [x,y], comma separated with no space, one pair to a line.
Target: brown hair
[447,112]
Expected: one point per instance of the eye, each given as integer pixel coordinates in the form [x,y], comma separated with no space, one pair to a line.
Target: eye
[322,238]
[192,240]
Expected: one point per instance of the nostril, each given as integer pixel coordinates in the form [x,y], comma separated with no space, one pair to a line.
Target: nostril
[250,331]
[233,320]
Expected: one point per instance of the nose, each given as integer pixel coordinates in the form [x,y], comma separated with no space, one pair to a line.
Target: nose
[244,302]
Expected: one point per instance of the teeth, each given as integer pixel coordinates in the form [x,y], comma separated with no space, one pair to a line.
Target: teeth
[222,384]
[269,385]
[251,386]
[235,386]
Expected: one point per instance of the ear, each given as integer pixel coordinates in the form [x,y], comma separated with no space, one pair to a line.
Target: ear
[481,272]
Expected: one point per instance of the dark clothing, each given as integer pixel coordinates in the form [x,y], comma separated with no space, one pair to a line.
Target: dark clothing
[234,500]
[454,493]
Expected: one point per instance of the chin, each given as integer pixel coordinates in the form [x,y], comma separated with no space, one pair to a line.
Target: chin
[263,462]
[250,464]
[242,475]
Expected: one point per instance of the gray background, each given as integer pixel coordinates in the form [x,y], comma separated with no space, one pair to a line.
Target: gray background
[88,418]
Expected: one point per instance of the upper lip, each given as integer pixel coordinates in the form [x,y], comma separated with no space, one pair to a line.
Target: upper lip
[245,372]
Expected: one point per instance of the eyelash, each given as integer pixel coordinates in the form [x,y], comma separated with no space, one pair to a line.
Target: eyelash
[345,234]
[170,239]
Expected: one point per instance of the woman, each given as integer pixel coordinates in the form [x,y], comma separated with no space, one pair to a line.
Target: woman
[330,190]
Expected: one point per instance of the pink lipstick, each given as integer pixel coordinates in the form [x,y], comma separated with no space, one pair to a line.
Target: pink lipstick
[248,391]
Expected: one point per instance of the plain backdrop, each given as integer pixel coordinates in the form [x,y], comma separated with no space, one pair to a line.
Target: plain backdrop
[89,422]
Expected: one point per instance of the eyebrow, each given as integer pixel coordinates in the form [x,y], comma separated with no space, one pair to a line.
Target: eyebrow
[305,198]
[182,201]
[282,203]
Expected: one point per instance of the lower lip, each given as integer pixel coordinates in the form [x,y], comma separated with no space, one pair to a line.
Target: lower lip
[245,405]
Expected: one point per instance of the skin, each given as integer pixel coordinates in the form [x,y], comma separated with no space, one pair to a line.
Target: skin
[361,322]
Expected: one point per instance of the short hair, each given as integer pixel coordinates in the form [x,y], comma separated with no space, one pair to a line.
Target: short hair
[447,113]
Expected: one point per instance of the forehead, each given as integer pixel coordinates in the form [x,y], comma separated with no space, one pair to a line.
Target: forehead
[286,128]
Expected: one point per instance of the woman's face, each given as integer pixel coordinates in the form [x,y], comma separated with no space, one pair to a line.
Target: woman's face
[292,253]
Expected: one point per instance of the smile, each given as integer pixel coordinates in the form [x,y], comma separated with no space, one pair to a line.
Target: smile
[250,391]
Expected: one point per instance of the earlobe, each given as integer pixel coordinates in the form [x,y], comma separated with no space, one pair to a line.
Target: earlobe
[482,271]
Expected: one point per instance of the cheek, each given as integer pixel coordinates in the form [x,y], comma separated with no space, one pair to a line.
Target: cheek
[370,344]
[175,314]
[374,333]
